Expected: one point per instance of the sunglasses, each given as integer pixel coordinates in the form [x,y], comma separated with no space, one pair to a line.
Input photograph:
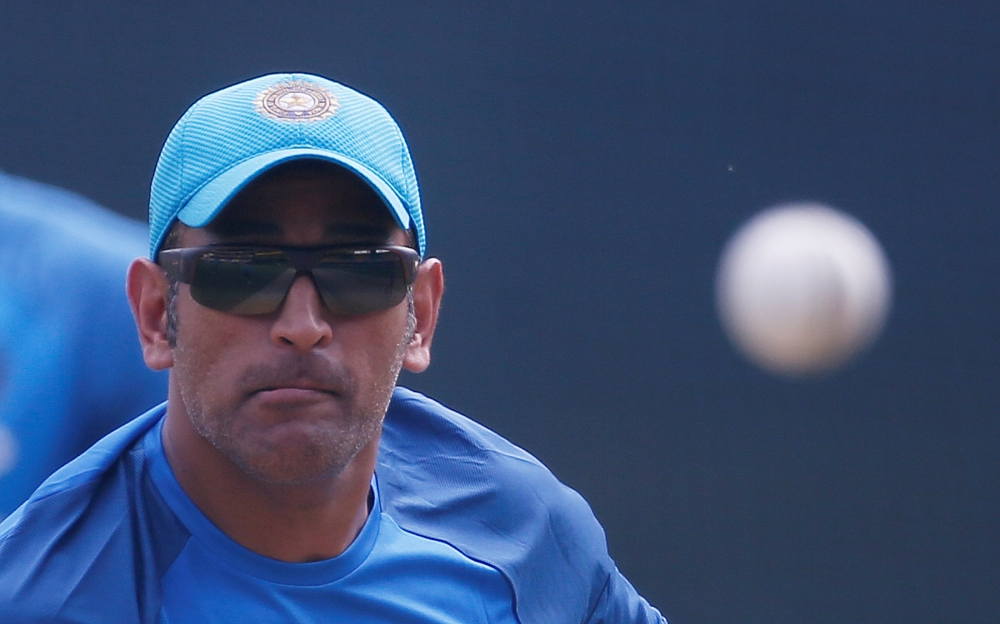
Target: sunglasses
[255,280]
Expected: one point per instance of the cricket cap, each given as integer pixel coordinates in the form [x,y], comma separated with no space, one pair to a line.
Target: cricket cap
[230,137]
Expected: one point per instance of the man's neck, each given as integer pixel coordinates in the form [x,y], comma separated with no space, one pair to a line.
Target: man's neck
[294,523]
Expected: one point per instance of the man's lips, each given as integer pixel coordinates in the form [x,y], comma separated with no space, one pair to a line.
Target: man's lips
[298,379]
[293,394]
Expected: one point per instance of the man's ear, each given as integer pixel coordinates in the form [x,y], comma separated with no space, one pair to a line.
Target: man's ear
[427,291]
[146,286]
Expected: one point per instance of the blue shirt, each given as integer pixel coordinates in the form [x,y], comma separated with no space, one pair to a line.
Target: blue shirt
[387,574]
[465,527]
[71,369]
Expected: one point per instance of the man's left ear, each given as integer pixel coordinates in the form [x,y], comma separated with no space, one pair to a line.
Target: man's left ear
[427,291]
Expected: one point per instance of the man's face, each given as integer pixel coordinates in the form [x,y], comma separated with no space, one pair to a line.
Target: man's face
[294,395]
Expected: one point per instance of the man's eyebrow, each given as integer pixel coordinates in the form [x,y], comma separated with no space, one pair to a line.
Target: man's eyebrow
[233,228]
[358,230]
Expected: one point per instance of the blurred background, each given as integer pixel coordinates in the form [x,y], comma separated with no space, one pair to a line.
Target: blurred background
[582,165]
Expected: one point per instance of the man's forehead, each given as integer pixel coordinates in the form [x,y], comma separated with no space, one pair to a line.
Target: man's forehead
[294,192]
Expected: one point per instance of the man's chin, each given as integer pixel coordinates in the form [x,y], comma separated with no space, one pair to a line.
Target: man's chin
[295,452]
[290,473]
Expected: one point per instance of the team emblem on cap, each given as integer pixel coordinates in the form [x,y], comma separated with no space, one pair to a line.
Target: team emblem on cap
[297,101]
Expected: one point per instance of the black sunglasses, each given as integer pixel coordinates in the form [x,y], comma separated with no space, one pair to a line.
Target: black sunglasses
[255,280]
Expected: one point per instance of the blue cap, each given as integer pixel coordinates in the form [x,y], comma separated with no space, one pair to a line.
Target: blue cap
[228,138]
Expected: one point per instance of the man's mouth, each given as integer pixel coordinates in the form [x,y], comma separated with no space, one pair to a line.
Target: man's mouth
[295,381]
[294,393]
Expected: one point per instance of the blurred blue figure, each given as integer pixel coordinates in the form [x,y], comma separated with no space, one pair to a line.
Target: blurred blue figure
[70,364]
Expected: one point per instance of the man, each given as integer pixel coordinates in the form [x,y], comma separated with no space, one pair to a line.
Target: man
[287,479]
[70,369]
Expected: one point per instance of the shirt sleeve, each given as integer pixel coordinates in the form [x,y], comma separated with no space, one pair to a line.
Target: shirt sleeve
[620,603]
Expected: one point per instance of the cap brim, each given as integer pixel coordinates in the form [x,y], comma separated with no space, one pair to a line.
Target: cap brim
[209,201]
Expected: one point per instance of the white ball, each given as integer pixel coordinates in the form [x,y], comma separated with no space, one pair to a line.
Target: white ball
[801,288]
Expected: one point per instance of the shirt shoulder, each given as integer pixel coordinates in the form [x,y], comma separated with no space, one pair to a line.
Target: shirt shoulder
[90,527]
[449,478]
[81,248]
[37,213]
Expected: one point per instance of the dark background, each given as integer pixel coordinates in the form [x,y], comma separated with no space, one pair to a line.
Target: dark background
[582,164]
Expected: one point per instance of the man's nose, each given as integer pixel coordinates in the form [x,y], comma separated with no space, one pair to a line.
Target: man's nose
[301,321]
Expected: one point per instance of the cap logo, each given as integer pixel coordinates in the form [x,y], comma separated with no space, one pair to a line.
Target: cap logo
[297,101]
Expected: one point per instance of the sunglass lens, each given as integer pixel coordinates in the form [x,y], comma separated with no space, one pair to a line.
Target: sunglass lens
[242,281]
[361,284]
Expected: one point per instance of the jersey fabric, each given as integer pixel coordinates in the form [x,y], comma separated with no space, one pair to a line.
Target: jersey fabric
[464,527]
[214,579]
[71,369]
